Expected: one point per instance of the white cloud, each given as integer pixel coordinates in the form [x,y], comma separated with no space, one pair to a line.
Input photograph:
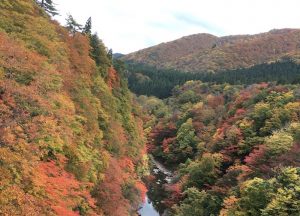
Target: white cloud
[130,25]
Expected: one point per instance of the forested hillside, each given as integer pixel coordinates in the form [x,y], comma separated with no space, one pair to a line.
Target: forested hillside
[208,53]
[235,150]
[224,140]
[71,137]
[146,80]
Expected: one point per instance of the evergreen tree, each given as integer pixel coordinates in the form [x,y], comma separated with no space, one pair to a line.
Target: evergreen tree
[110,54]
[72,25]
[48,6]
[98,51]
[160,82]
[87,29]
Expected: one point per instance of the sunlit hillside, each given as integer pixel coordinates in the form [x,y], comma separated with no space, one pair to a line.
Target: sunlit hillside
[70,135]
[208,53]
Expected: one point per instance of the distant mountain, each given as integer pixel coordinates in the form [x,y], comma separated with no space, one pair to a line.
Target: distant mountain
[205,52]
[118,55]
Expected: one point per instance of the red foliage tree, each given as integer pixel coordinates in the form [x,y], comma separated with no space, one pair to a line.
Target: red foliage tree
[109,192]
[113,79]
[65,194]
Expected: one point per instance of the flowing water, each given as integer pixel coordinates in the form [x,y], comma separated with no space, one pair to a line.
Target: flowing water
[147,209]
[153,204]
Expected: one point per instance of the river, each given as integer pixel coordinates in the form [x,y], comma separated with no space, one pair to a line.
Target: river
[153,204]
[147,209]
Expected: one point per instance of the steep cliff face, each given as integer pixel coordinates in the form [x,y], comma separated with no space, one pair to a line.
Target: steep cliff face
[71,140]
[204,52]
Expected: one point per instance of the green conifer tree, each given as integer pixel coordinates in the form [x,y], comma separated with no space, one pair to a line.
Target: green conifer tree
[72,25]
[87,29]
[48,6]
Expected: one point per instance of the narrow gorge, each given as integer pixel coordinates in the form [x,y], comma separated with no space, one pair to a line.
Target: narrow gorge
[199,126]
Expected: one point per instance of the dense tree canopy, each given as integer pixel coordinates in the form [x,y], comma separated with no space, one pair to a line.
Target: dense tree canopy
[72,135]
[146,80]
[70,131]
[237,145]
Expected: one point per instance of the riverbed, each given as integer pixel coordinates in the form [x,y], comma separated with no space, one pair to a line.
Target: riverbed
[153,204]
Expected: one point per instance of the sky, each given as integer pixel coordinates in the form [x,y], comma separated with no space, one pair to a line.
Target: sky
[126,26]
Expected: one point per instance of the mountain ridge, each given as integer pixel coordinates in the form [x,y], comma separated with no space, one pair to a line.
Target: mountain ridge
[208,53]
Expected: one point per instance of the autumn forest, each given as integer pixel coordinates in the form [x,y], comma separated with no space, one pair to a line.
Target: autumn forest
[86,132]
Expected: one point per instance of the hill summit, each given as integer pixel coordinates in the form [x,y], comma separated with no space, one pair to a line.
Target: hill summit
[209,53]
